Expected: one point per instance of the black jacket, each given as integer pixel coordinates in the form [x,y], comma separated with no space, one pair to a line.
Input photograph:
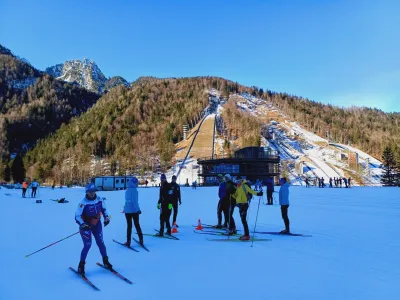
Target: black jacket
[165,195]
[230,190]
[176,193]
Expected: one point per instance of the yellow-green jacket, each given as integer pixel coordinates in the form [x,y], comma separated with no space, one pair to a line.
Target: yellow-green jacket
[240,194]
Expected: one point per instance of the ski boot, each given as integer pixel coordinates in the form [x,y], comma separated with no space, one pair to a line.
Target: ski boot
[244,238]
[218,226]
[81,268]
[168,232]
[106,263]
[127,244]
[141,240]
[285,231]
[232,232]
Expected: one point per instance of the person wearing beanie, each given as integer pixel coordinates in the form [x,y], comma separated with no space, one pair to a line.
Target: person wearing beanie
[222,207]
[230,202]
[165,205]
[242,202]
[132,211]
[176,197]
[87,216]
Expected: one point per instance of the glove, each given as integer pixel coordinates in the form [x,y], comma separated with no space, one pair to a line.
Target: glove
[180,202]
[84,226]
[159,205]
[170,206]
[106,221]
[139,212]
[260,193]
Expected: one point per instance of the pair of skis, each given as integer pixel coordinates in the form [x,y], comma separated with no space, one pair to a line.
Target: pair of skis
[130,247]
[278,233]
[101,265]
[211,232]
[165,235]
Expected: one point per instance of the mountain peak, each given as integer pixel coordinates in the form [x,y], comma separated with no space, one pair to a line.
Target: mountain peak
[85,73]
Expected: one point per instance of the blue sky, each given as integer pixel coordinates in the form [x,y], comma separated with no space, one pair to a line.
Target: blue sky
[342,52]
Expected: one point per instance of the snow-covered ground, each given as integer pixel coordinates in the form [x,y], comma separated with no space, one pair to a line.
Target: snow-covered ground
[294,143]
[353,252]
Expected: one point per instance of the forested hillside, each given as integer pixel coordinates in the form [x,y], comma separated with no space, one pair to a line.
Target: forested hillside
[370,130]
[135,127]
[132,128]
[33,105]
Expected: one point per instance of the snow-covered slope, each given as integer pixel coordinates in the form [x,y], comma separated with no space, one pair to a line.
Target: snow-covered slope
[321,157]
[347,257]
[86,74]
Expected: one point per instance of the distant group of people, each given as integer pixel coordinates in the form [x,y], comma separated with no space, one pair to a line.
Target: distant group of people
[33,185]
[337,182]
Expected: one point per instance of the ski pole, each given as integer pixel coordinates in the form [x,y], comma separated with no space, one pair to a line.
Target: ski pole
[51,244]
[255,224]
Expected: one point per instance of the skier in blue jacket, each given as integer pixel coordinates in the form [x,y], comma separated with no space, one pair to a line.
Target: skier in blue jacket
[284,203]
[132,210]
[88,218]
[222,207]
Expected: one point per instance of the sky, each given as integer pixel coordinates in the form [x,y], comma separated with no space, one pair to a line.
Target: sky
[341,52]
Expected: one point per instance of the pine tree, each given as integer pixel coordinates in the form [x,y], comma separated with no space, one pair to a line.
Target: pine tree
[18,169]
[7,173]
[389,168]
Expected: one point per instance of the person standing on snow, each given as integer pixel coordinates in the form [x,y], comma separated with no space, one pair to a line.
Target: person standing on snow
[165,205]
[132,211]
[345,182]
[176,197]
[24,187]
[284,203]
[240,195]
[222,206]
[34,186]
[270,191]
[230,202]
[88,218]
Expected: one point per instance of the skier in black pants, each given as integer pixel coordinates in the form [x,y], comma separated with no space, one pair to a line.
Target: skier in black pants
[230,202]
[165,205]
[284,203]
[222,206]
[132,211]
[241,195]
[176,197]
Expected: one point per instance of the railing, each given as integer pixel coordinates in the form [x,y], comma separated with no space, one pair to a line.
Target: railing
[273,156]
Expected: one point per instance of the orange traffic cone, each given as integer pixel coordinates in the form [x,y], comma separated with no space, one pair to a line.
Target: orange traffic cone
[174,229]
[199,227]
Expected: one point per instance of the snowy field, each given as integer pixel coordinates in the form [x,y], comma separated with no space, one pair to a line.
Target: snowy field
[353,252]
